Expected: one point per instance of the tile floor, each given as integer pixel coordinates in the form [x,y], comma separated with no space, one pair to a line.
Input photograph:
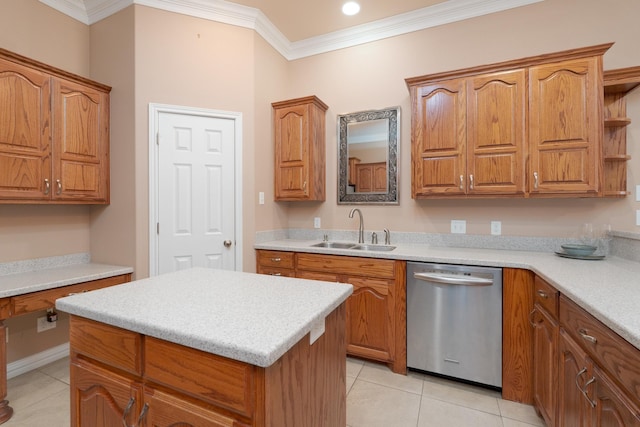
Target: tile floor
[376,397]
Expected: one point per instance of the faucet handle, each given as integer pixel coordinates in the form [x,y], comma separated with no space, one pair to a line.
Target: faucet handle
[374,238]
[387,236]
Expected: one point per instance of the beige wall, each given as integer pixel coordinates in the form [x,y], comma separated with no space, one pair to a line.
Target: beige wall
[32,29]
[372,76]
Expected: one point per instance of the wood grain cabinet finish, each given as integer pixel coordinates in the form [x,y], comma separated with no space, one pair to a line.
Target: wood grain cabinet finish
[371,177]
[300,158]
[275,263]
[598,373]
[54,135]
[527,127]
[545,350]
[174,385]
[566,127]
[376,311]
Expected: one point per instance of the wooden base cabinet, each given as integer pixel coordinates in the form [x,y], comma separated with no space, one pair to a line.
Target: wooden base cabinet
[545,350]
[119,377]
[376,318]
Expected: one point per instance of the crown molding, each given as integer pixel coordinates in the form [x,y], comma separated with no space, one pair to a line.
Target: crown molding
[91,11]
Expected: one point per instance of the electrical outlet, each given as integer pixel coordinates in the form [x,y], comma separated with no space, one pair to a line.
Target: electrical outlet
[261,197]
[43,325]
[496,228]
[316,222]
[458,226]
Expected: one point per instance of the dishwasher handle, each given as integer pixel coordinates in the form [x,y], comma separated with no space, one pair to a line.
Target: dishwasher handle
[453,280]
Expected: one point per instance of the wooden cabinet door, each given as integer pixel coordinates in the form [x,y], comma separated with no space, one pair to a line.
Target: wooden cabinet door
[165,410]
[81,142]
[566,127]
[438,139]
[292,152]
[380,177]
[370,318]
[545,365]
[612,407]
[496,133]
[25,127]
[101,398]
[364,178]
[573,372]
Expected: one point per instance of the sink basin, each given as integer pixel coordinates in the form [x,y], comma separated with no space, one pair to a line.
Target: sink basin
[334,245]
[379,248]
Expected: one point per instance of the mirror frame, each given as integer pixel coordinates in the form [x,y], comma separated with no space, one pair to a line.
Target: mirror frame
[391,196]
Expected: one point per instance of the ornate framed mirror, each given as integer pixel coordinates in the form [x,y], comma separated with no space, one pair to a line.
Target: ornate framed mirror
[368,157]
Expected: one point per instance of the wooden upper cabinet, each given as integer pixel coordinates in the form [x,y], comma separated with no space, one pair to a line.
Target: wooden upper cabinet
[299,126]
[566,127]
[25,127]
[371,177]
[496,133]
[81,142]
[479,132]
[438,139]
[54,134]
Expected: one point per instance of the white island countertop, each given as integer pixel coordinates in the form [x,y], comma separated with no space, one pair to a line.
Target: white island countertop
[609,289]
[243,316]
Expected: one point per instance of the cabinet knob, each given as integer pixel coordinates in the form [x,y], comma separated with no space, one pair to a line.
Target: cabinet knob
[227,243]
[47,186]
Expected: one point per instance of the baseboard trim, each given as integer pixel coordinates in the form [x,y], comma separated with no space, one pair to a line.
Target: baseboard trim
[37,360]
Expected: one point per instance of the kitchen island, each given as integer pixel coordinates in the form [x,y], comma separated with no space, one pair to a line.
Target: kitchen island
[209,348]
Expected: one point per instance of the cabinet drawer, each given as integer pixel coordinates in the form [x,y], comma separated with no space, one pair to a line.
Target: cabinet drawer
[42,300]
[546,296]
[214,379]
[609,350]
[353,266]
[275,259]
[116,347]
[275,271]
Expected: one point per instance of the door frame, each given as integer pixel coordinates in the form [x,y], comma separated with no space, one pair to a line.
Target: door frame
[154,115]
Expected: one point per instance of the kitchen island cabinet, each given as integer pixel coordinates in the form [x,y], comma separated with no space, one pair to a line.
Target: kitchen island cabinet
[252,350]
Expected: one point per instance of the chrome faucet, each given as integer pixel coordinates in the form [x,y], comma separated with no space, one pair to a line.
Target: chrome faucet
[387,236]
[361,228]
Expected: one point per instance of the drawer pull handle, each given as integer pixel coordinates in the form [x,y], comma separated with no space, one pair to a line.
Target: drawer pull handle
[276,259]
[276,274]
[59,187]
[533,312]
[47,186]
[462,182]
[125,414]
[76,293]
[535,180]
[586,394]
[542,294]
[143,414]
[585,336]
[471,181]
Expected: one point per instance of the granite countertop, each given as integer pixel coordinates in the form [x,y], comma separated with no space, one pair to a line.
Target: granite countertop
[609,289]
[243,316]
[53,276]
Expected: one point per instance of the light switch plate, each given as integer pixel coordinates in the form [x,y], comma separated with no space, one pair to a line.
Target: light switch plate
[261,197]
[458,226]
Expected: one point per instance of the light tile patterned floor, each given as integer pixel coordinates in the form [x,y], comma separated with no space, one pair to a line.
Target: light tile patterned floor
[376,397]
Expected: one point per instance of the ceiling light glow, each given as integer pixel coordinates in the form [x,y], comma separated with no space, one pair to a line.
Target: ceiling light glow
[350,8]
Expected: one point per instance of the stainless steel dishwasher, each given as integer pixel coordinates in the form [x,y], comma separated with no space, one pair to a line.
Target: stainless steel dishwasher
[454,321]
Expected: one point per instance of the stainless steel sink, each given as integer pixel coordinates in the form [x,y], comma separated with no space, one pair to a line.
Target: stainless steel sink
[334,245]
[379,248]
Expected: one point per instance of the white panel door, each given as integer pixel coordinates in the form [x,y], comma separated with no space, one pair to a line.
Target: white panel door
[196,192]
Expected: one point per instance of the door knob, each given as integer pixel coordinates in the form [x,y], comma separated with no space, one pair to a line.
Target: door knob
[227,243]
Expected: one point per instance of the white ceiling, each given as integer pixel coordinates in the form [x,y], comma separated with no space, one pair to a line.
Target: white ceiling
[300,28]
